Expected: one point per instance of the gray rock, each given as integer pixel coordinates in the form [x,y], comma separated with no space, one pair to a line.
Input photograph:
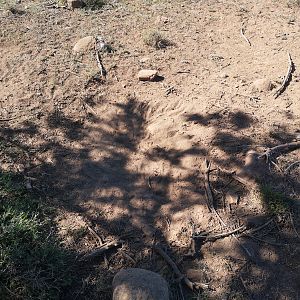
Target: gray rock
[139,284]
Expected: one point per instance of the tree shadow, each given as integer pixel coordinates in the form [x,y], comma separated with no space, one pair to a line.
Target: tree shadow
[89,169]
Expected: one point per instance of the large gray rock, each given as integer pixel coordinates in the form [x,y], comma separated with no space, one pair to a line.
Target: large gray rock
[139,284]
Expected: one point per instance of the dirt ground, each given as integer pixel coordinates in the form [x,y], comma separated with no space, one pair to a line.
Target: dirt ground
[126,158]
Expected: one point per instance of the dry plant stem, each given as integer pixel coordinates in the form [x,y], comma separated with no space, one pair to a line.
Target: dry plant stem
[286,79]
[101,250]
[100,65]
[95,235]
[210,203]
[291,166]
[260,227]
[191,285]
[243,35]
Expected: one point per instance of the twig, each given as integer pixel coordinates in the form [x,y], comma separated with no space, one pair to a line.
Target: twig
[127,256]
[210,198]
[220,235]
[210,203]
[100,64]
[9,119]
[191,285]
[90,108]
[243,35]
[293,225]
[96,235]
[260,227]
[291,166]
[286,79]
[99,251]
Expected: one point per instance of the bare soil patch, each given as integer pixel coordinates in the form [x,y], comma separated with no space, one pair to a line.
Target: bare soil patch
[126,158]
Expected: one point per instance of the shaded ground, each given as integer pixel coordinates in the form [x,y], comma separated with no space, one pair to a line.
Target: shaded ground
[126,158]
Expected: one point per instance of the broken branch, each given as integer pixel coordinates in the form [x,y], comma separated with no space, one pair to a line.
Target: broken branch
[210,238]
[99,251]
[191,285]
[287,77]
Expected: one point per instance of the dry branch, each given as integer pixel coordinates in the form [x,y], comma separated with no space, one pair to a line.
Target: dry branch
[281,149]
[191,285]
[243,35]
[286,79]
[101,250]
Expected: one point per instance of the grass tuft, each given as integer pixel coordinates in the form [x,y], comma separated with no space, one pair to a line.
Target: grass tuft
[32,264]
[275,202]
[156,40]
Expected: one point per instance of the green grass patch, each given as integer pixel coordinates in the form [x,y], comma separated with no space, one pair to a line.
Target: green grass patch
[32,264]
[275,202]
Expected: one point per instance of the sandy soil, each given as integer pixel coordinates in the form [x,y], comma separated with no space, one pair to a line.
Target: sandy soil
[126,157]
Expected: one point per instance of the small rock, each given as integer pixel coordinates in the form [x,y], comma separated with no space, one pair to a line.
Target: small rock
[224,75]
[144,59]
[263,85]
[85,44]
[147,75]
[75,4]
[139,284]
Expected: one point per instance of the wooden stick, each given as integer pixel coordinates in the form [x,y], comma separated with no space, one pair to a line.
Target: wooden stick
[191,285]
[243,35]
[99,251]
[287,77]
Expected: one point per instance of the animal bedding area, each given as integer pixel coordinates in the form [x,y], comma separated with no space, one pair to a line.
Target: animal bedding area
[145,163]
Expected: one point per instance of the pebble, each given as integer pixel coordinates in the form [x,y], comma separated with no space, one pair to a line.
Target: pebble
[147,75]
